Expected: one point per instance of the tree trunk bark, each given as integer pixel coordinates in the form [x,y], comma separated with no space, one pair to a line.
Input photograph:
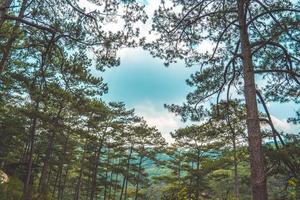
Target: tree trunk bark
[55,185]
[298,188]
[61,185]
[236,175]
[235,160]
[106,173]
[26,190]
[198,177]
[45,171]
[78,186]
[125,190]
[110,185]
[137,184]
[95,173]
[43,178]
[124,185]
[258,176]
[116,181]
[116,186]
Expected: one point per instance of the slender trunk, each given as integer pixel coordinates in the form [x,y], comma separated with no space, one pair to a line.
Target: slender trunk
[23,158]
[126,186]
[179,171]
[110,185]
[45,171]
[198,177]
[191,182]
[298,188]
[125,179]
[43,178]
[116,181]
[116,185]
[58,181]
[60,177]
[26,190]
[55,185]
[236,175]
[258,176]
[49,176]
[95,173]
[137,184]
[123,185]
[62,186]
[88,191]
[235,160]
[106,175]
[78,186]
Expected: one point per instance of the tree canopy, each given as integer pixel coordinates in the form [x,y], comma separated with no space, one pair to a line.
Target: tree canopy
[61,140]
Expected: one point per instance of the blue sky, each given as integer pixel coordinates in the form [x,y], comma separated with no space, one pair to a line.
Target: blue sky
[141,78]
[144,83]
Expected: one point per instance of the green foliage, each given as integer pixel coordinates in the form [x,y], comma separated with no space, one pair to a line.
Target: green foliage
[12,190]
[59,140]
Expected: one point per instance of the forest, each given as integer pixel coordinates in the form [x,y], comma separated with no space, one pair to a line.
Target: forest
[59,140]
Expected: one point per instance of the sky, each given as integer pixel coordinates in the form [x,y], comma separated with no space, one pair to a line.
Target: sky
[145,84]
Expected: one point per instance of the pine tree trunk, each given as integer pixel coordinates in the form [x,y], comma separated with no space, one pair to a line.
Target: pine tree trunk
[125,179]
[116,182]
[258,176]
[106,175]
[137,184]
[43,178]
[191,182]
[235,160]
[61,185]
[179,171]
[26,189]
[126,186]
[55,185]
[95,173]
[45,170]
[110,185]
[23,158]
[198,177]
[236,175]
[298,189]
[59,188]
[123,186]
[78,186]
[116,185]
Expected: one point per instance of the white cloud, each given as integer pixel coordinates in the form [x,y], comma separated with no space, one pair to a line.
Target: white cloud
[136,56]
[163,120]
[87,5]
[283,125]
[167,122]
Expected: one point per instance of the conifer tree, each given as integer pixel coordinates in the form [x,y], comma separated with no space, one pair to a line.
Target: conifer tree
[250,37]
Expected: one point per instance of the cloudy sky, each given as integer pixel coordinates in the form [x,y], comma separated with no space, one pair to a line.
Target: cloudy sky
[144,83]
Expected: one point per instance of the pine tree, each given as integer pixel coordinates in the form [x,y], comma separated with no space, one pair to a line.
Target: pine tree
[245,35]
